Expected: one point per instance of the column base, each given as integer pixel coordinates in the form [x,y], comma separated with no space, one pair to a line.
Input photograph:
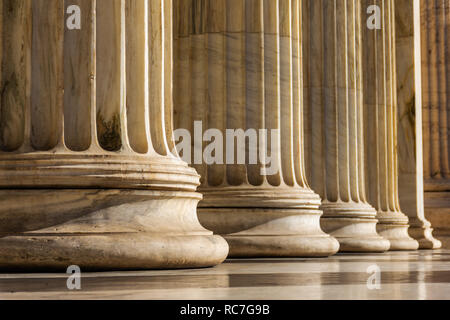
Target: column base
[104,230]
[270,232]
[424,235]
[398,237]
[110,252]
[394,226]
[354,226]
[281,246]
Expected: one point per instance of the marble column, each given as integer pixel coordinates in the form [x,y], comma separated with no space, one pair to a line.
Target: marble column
[409,95]
[334,112]
[87,176]
[435,28]
[380,123]
[239,67]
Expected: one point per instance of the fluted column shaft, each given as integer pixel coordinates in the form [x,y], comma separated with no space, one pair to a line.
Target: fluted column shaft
[435,22]
[239,66]
[410,145]
[380,123]
[435,29]
[335,130]
[86,134]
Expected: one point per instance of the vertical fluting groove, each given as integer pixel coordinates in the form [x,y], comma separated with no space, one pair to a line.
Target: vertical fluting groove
[382,109]
[286,98]
[342,99]
[434,97]
[362,197]
[157,83]
[354,103]
[392,107]
[329,114]
[94,143]
[236,83]
[272,112]
[254,53]
[123,80]
[183,28]
[387,107]
[79,73]
[426,40]
[315,65]
[110,74]
[167,46]
[395,102]
[297,93]
[137,73]
[15,66]
[47,74]
[217,75]
[199,88]
[371,99]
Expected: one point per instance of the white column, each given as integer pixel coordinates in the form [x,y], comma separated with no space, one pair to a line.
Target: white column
[380,113]
[410,148]
[87,176]
[335,140]
[239,66]
[435,28]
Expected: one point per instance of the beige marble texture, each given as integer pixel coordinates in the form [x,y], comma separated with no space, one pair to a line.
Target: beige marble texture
[380,127]
[334,116]
[410,148]
[435,27]
[239,66]
[87,173]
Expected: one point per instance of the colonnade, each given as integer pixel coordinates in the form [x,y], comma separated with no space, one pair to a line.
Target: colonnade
[308,97]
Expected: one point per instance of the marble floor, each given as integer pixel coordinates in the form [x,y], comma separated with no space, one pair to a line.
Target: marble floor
[403,275]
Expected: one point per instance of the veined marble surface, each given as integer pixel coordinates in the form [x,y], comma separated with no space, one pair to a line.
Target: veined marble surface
[404,275]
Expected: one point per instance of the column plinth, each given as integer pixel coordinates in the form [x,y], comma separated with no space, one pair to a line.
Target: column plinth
[335,140]
[87,173]
[240,68]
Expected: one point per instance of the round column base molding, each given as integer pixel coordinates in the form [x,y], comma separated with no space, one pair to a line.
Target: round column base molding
[247,196]
[104,230]
[281,246]
[133,251]
[424,235]
[355,234]
[341,209]
[270,232]
[398,236]
[89,170]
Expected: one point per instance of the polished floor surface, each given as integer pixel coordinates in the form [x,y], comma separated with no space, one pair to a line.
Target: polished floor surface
[403,275]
